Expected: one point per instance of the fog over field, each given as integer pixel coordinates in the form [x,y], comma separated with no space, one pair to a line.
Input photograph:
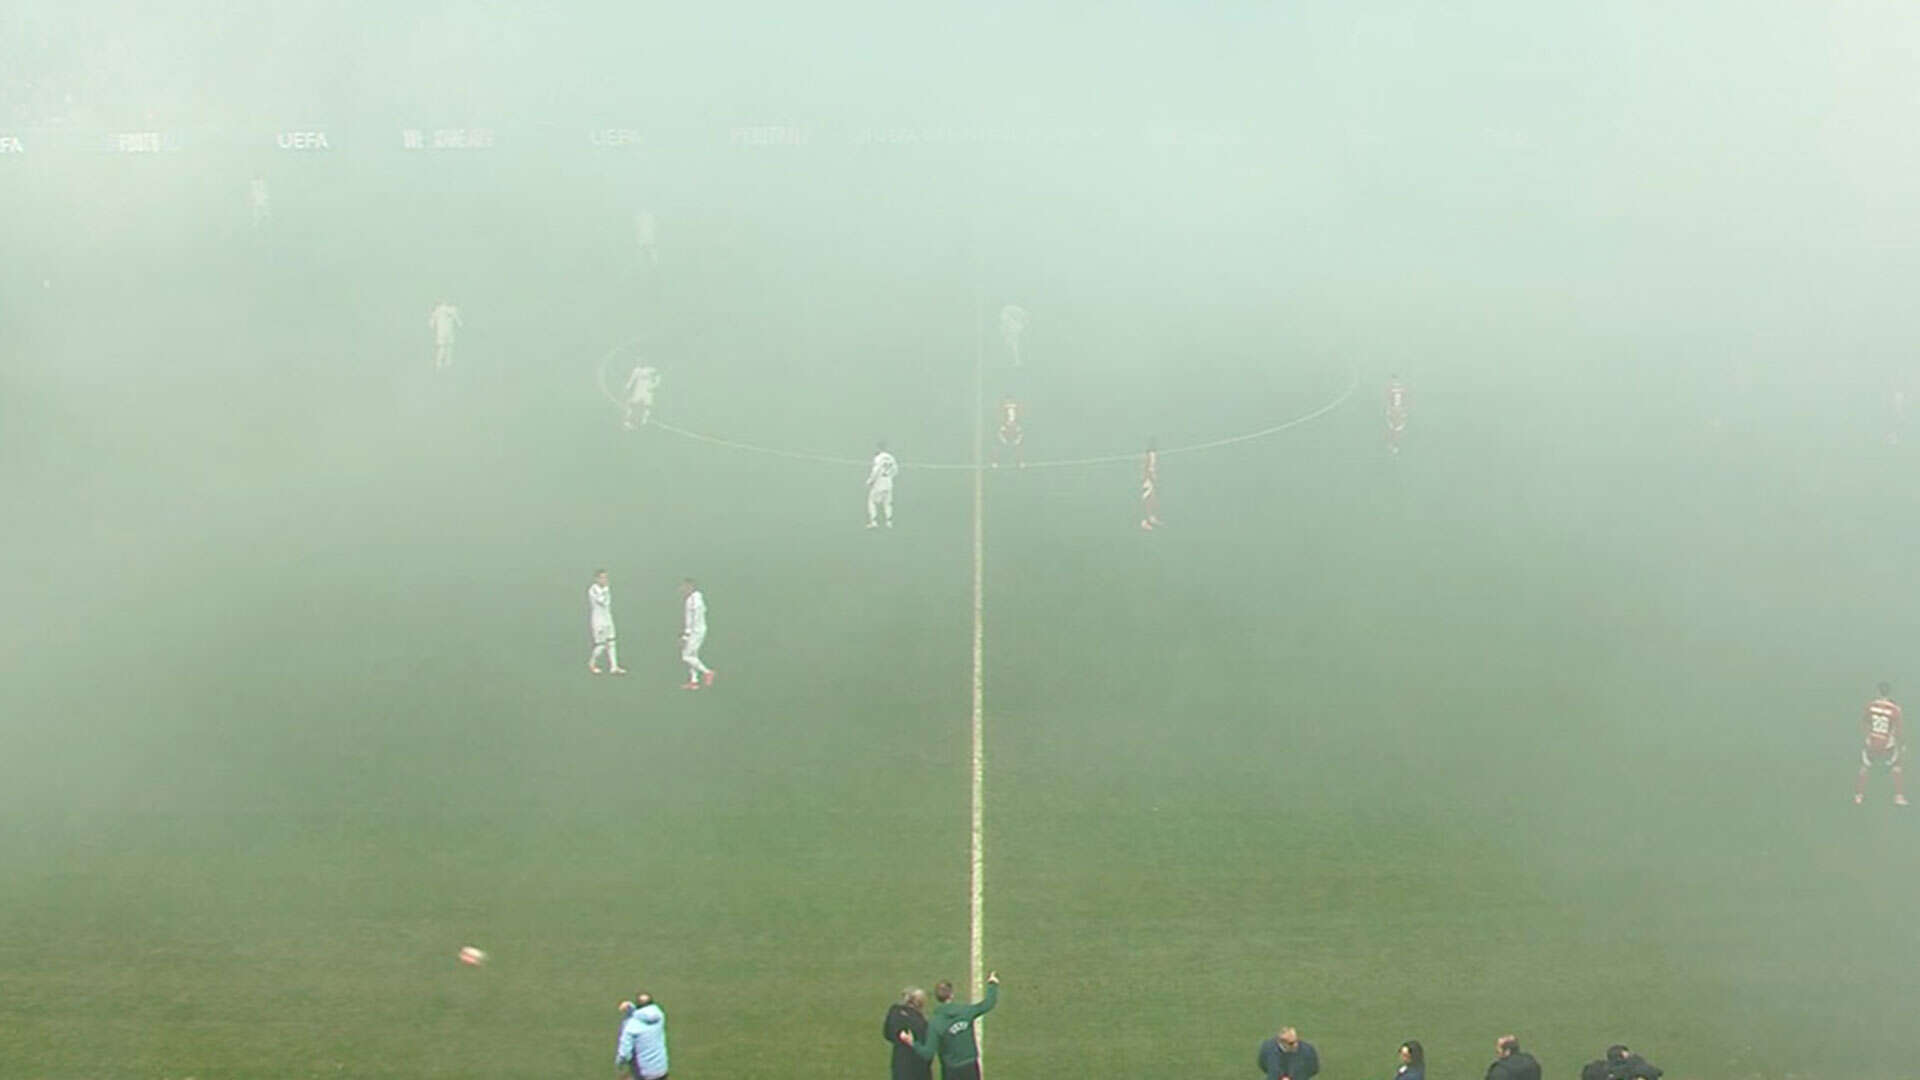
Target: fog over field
[1541,715]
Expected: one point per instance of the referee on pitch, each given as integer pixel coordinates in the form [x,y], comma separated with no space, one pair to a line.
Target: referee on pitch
[950,1032]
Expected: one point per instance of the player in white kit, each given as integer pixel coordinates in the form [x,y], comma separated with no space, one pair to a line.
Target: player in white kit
[880,488]
[693,633]
[640,386]
[600,624]
[443,319]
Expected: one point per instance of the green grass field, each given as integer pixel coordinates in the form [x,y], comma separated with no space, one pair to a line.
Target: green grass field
[1547,726]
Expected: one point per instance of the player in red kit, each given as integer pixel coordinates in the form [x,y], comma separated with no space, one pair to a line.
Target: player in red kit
[1011,435]
[1150,489]
[1882,725]
[1396,412]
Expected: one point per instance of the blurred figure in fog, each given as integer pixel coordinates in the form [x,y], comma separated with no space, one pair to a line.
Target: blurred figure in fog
[880,488]
[600,625]
[1011,435]
[1396,412]
[646,238]
[1150,488]
[640,386]
[443,319]
[1013,323]
[693,633]
[259,201]
[1881,726]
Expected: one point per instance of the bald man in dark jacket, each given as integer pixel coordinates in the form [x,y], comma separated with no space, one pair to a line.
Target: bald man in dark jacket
[909,1014]
[1512,1063]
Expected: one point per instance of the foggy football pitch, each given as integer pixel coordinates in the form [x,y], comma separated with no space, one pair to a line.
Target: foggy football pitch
[1504,735]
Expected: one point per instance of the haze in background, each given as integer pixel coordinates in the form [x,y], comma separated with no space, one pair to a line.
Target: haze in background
[1547,725]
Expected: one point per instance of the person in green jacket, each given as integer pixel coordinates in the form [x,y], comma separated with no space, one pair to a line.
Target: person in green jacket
[950,1031]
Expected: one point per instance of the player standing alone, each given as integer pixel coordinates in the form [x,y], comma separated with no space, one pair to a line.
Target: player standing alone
[1396,412]
[442,319]
[1011,435]
[693,633]
[600,623]
[640,387]
[880,488]
[1882,724]
[1150,488]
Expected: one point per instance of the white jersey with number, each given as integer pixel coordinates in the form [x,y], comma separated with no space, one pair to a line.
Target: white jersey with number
[599,605]
[695,625]
[880,477]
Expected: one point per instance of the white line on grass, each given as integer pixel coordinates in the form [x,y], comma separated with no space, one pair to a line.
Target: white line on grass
[977,857]
[976,910]
[1353,383]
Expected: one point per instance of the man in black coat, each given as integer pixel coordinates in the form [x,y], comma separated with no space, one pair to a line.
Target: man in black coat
[1512,1063]
[1622,1064]
[908,1014]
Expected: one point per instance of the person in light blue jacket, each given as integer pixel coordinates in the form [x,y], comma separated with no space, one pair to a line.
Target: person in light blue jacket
[643,1039]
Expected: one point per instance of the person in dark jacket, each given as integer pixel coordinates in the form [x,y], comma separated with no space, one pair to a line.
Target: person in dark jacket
[1413,1061]
[1512,1063]
[1286,1057]
[1624,1064]
[909,1014]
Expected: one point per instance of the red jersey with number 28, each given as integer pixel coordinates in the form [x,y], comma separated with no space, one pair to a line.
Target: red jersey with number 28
[1883,724]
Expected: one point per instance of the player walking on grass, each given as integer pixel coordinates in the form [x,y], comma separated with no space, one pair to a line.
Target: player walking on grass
[1010,433]
[443,319]
[693,633]
[1882,725]
[600,625]
[950,1031]
[1150,488]
[880,488]
[1396,412]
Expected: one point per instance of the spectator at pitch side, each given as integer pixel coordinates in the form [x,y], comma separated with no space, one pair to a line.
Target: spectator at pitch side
[908,1016]
[642,1053]
[1413,1061]
[1620,1064]
[1287,1057]
[950,1031]
[1512,1063]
